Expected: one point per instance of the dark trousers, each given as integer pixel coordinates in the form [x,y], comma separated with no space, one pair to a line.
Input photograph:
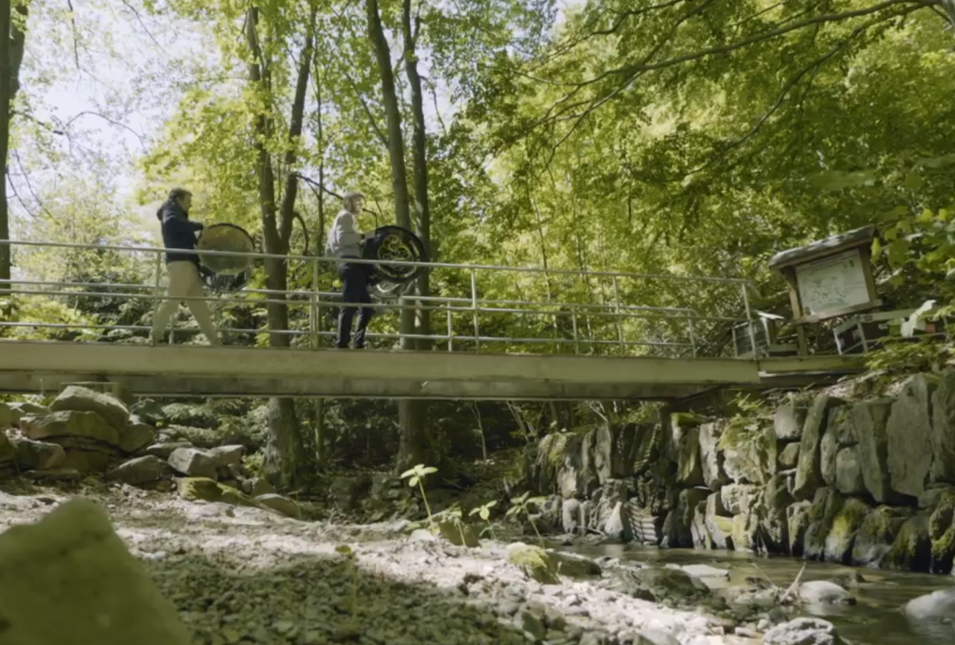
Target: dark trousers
[355,278]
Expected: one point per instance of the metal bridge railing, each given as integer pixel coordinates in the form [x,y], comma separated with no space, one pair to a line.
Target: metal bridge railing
[473,307]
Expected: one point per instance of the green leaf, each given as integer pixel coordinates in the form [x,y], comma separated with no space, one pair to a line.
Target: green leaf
[876,249]
[913,181]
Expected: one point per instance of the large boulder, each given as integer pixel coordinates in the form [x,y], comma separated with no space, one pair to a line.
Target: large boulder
[678,526]
[689,465]
[875,537]
[823,592]
[943,429]
[739,498]
[938,605]
[825,506]
[941,530]
[828,450]
[909,434]
[39,455]
[869,419]
[660,584]
[711,457]
[773,508]
[718,522]
[751,456]
[788,422]
[799,519]
[843,529]
[72,566]
[141,470]
[193,463]
[809,469]
[912,548]
[789,456]
[136,435]
[71,423]
[848,480]
[76,398]
[290,508]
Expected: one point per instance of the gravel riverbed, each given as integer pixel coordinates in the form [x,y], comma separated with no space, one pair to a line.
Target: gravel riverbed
[247,576]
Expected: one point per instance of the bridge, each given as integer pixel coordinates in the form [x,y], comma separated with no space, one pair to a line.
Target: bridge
[583,338]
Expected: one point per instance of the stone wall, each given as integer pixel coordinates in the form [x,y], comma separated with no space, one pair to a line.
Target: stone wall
[855,482]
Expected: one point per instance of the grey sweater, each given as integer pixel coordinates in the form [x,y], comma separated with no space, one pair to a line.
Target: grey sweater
[344,240]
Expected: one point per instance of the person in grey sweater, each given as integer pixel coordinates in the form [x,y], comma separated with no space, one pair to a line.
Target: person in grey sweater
[345,241]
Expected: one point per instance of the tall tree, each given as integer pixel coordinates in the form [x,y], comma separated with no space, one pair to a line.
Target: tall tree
[410,418]
[12,38]
[285,452]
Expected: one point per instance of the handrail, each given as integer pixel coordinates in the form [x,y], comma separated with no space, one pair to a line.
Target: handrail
[586,326]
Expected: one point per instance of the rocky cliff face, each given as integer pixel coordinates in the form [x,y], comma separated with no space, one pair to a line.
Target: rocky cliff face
[855,482]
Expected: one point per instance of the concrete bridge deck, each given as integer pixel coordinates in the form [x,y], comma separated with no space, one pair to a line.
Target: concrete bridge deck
[178,370]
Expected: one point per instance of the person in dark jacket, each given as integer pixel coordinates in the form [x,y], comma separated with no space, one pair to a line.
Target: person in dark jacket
[179,234]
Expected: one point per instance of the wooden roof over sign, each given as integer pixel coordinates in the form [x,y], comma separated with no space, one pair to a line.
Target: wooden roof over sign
[823,248]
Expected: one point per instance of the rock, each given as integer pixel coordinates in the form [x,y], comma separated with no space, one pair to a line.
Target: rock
[39,455]
[799,519]
[283,505]
[422,535]
[163,450]
[843,428]
[823,592]
[803,631]
[875,537]
[828,450]
[139,471]
[677,527]
[689,465]
[868,420]
[574,566]
[938,605]
[654,637]
[533,561]
[569,515]
[260,486]
[825,506]
[848,480]
[531,625]
[789,456]
[54,475]
[705,571]
[788,421]
[774,504]
[226,455]
[70,423]
[719,523]
[941,531]
[200,489]
[660,584]
[193,463]
[136,435]
[6,417]
[711,457]
[943,429]
[739,498]
[87,461]
[8,452]
[912,549]
[809,470]
[752,458]
[909,434]
[149,411]
[97,590]
[22,409]
[76,398]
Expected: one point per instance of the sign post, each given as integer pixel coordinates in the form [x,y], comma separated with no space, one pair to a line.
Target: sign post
[828,279]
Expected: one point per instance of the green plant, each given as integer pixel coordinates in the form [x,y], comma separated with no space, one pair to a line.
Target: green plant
[484,512]
[523,505]
[415,477]
[457,518]
[349,554]
[745,427]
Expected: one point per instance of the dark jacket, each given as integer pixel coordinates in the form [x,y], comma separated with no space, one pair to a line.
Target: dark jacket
[178,232]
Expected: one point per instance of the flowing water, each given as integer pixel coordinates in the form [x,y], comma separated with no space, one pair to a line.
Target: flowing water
[877,619]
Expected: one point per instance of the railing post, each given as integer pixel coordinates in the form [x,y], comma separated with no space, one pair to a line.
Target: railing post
[749,323]
[313,309]
[450,328]
[616,306]
[157,292]
[474,312]
[573,320]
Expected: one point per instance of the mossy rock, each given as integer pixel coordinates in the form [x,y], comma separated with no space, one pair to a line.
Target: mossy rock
[941,530]
[912,549]
[203,489]
[534,562]
[877,533]
[842,533]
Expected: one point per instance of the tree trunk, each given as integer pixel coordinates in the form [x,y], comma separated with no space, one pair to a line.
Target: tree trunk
[285,453]
[419,156]
[321,438]
[414,436]
[12,40]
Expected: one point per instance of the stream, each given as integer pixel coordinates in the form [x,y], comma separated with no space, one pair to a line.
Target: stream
[877,619]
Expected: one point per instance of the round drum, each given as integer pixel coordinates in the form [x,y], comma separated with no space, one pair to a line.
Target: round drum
[225,237]
[394,244]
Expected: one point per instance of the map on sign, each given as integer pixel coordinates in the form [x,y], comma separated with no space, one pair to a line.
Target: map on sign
[832,283]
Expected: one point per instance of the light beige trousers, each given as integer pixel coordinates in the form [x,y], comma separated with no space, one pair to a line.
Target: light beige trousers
[184,282]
